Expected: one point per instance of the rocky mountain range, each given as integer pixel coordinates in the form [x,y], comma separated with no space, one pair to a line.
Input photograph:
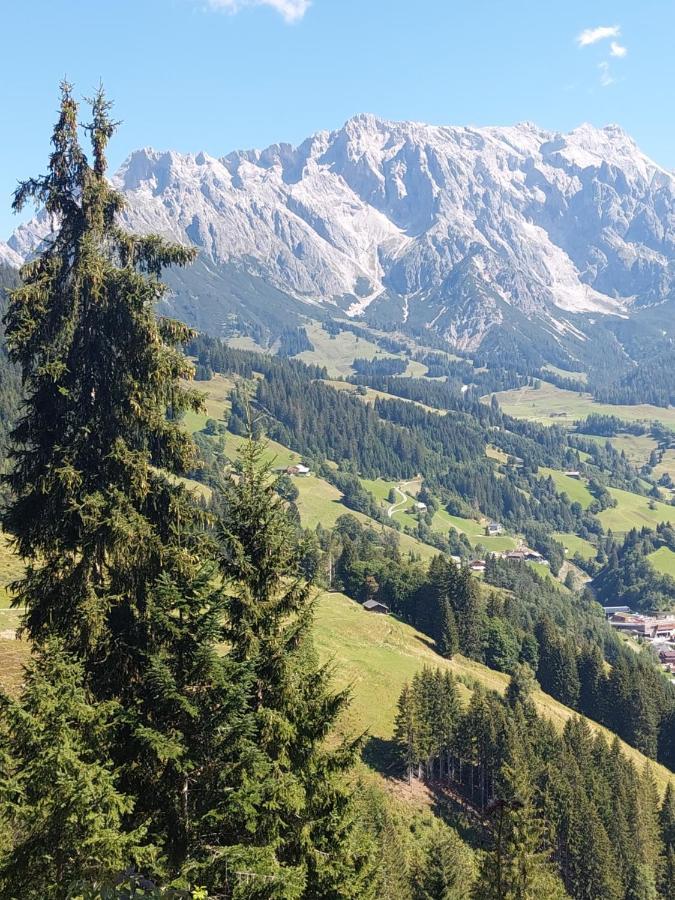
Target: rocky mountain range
[476,234]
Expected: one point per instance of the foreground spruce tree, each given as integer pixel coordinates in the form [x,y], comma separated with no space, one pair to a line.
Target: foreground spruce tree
[110,541]
[91,514]
[61,811]
[303,813]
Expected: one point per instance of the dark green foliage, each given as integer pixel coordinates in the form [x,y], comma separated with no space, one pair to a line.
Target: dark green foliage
[667,824]
[557,672]
[60,801]
[301,822]
[629,578]
[99,372]
[446,870]
[389,365]
[293,341]
[10,383]
[560,810]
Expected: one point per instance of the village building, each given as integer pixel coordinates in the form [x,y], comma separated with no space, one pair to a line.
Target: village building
[493,529]
[649,627]
[613,610]
[477,565]
[420,506]
[298,469]
[573,473]
[526,554]
[376,607]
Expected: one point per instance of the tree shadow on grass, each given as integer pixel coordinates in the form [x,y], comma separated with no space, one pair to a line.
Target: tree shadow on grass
[382,755]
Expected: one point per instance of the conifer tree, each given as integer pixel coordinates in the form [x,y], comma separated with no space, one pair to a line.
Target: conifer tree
[518,867]
[60,802]
[112,544]
[466,605]
[446,870]
[667,823]
[405,731]
[449,640]
[91,513]
[648,843]
[302,811]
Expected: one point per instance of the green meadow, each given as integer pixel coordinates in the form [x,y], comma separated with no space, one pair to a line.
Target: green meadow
[663,561]
[552,405]
[575,488]
[634,511]
[374,656]
[576,544]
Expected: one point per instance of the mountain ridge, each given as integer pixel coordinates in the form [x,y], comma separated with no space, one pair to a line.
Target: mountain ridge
[454,229]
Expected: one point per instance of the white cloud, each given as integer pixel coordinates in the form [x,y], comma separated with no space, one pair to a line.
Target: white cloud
[617,49]
[606,77]
[593,35]
[291,10]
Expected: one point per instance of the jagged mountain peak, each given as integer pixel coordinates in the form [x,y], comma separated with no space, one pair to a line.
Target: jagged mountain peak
[382,218]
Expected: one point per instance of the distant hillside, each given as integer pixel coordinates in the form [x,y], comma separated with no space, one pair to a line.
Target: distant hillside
[375,655]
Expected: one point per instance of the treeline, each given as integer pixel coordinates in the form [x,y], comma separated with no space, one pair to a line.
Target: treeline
[652,381]
[383,367]
[317,420]
[565,814]
[293,341]
[213,355]
[634,699]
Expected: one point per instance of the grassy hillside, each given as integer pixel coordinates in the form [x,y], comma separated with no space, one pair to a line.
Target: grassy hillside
[337,352]
[552,405]
[637,447]
[663,561]
[576,544]
[634,511]
[474,530]
[375,655]
[320,501]
[575,488]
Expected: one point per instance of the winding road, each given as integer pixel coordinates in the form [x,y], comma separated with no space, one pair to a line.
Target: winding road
[401,503]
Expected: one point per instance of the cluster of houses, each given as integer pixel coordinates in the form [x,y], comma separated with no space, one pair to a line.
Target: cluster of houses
[522,554]
[650,628]
[658,630]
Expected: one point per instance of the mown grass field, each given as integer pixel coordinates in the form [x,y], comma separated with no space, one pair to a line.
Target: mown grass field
[338,352]
[547,404]
[379,488]
[637,447]
[475,531]
[663,561]
[633,511]
[575,544]
[575,488]
[320,501]
[494,453]
[564,373]
[376,655]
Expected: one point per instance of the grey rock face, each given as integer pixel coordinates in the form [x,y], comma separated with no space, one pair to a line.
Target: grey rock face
[457,224]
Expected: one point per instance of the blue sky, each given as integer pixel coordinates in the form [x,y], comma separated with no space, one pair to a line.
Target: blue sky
[217,75]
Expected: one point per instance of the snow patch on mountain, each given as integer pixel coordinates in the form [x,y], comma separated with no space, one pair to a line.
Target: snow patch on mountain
[9,257]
